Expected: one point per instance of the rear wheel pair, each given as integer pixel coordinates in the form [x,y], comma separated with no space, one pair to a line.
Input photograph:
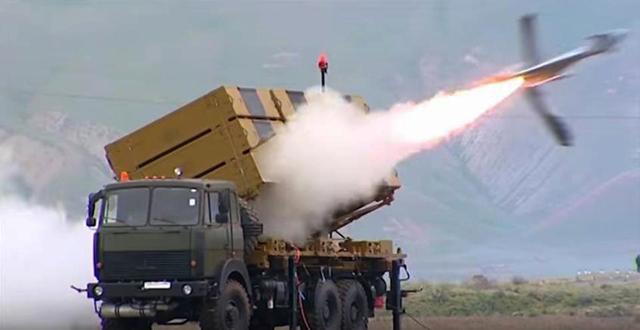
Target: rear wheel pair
[355,306]
[342,306]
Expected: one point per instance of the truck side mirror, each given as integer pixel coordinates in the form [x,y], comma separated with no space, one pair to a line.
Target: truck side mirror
[91,222]
[224,202]
[91,208]
[222,217]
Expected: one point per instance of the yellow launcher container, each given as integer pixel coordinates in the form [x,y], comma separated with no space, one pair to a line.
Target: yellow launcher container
[218,136]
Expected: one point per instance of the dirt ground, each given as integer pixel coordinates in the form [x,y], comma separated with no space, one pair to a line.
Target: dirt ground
[504,322]
[495,323]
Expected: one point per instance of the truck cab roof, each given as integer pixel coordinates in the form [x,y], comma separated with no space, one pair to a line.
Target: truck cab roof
[188,183]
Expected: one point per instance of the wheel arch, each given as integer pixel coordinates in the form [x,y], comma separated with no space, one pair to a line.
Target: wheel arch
[235,269]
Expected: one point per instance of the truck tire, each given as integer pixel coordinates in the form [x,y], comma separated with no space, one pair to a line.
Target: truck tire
[126,324]
[251,226]
[355,307]
[324,308]
[231,311]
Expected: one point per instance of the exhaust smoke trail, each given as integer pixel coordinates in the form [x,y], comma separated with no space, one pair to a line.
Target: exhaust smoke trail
[447,114]
[332,154]
[41,255]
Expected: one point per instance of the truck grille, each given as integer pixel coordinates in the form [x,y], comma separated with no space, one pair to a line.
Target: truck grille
[145,265]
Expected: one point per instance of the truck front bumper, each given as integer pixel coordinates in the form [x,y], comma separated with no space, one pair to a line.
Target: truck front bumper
[176,289]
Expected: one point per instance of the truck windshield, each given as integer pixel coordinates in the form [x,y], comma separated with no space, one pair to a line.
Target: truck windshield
[126,207]
[175,206]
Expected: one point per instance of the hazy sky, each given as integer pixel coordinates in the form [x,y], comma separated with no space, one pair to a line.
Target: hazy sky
[501,199]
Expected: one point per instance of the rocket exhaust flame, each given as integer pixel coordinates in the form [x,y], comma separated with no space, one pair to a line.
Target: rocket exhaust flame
[332,154]
[446,114]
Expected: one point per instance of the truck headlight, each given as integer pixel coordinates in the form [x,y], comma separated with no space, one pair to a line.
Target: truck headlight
[187,289]
[98,291]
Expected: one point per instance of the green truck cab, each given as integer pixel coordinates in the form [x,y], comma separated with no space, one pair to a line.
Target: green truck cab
[164,249]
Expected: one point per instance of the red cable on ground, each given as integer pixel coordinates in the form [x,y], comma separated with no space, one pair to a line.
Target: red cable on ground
[297,257]
[304,316]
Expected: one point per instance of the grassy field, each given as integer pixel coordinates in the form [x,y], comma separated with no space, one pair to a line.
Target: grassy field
[523,299]
[547,322]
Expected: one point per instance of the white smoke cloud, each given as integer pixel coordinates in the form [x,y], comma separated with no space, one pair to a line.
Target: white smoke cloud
[41,255]
[330,155]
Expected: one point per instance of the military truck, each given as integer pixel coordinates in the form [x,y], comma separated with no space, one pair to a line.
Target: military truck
[178,241]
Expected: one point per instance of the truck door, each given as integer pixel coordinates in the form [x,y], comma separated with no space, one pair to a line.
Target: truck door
[218,234]
[237,237]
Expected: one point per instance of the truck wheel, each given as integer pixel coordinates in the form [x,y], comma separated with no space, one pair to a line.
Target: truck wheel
[231,311]
[126,324]
[251,226]
[324,307]
[355,308]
